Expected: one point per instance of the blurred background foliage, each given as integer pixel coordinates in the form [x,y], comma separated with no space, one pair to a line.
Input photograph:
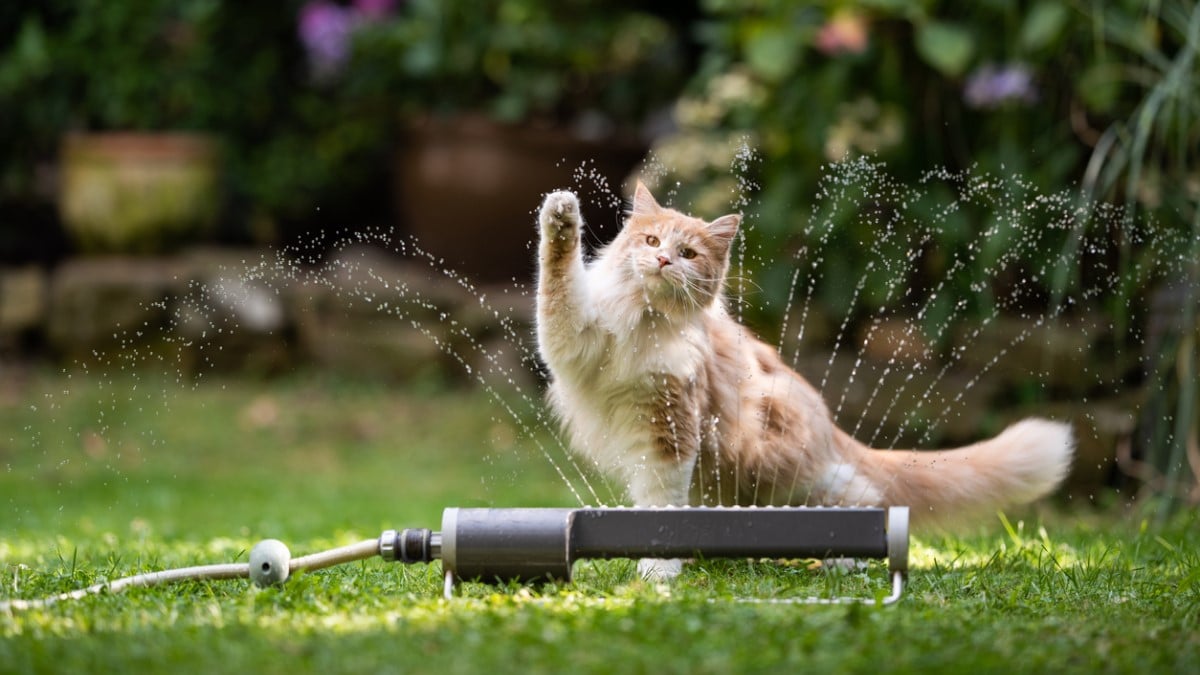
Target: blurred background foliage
[311,98]
[1099,99]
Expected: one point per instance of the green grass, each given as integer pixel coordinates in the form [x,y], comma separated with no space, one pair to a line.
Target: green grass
[100,478]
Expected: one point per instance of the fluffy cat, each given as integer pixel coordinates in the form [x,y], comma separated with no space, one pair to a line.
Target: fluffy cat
[660,388]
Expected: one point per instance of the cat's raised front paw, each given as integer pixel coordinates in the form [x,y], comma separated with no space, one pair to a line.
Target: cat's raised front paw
[559,214]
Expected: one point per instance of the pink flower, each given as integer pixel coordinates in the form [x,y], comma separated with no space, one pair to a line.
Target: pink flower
[844,33]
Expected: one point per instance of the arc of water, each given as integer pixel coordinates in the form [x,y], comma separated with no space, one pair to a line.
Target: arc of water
[1000,197]
[1028,237]
[320,276]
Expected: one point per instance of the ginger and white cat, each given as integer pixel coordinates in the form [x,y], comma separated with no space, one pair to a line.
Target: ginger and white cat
[663,390]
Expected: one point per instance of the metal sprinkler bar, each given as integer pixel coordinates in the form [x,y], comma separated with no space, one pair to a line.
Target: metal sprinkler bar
[531,544]
[536,544]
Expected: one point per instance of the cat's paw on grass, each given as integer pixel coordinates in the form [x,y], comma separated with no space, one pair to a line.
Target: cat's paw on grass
[658,569]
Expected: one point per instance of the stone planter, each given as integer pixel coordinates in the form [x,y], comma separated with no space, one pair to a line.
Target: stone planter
[138,192]
[468,188]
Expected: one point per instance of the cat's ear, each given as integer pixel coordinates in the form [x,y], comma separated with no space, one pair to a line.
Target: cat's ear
[725,228]
[643,201]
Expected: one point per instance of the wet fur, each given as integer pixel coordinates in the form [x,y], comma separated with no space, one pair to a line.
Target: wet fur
[662,389]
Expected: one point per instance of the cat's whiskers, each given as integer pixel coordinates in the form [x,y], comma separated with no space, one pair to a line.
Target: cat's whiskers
[688,290]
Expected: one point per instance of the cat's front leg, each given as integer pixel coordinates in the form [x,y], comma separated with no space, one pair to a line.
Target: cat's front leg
[560,225]
[561,294]
[664,482]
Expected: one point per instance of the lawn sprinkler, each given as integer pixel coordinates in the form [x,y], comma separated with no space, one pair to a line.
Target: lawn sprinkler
[538,544]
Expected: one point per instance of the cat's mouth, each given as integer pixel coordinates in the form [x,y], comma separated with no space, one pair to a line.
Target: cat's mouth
[659,276]
[663,288]
[662,285]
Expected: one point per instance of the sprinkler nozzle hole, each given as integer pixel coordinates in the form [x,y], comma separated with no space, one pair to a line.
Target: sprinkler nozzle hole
[269,562]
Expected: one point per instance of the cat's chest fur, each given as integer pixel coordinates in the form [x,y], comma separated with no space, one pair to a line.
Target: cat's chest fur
[621,373]
[627,347]
[610,381]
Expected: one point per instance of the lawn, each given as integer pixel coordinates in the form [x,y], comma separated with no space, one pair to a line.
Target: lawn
[108,476]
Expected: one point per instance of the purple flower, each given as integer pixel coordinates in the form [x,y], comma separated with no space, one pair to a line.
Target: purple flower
[991,87]
[325,29]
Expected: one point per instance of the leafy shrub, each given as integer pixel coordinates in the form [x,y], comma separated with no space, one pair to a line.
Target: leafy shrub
[1012,90]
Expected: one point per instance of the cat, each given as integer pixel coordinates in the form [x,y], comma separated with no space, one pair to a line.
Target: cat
[660,388]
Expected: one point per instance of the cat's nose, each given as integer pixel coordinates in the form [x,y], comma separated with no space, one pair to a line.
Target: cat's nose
[663,261]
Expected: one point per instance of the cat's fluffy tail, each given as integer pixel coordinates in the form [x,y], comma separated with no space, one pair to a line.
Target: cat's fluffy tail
[1026,461]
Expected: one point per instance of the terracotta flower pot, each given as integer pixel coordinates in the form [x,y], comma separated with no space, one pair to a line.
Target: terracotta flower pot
[138,192]
[468,188]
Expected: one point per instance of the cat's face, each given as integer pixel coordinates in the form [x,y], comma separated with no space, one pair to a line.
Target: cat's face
[677,261]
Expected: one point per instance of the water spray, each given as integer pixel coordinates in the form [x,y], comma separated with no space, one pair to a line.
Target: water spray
[543,544]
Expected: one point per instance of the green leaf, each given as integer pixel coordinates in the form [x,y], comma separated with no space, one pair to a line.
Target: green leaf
[1099,87]
[772,52]
[1042,25]
[28,60]
[948,47]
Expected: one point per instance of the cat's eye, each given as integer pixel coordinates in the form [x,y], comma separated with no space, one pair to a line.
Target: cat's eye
[651,240]
[687,253]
